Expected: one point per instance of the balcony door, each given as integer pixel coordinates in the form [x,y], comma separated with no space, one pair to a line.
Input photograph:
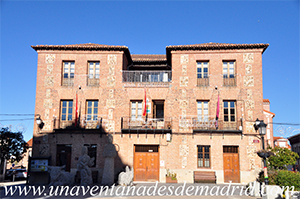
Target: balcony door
[158,109]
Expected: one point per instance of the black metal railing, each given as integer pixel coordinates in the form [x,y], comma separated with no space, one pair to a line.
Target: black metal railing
[143,123]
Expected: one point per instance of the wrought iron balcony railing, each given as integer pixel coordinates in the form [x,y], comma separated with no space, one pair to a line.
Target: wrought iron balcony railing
[203,81]
[207,123]
[229,81]
[147,76]
[82,122]
[143,123]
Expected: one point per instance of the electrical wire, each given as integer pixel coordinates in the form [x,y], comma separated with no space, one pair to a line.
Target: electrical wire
[17,114]
[20,119]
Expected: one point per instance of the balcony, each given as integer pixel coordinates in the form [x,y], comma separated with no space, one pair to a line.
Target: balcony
[143,78]
[68,81]
[202,82]
[93,81]
[229,81]
[207,124]
[145,125]
[82,123]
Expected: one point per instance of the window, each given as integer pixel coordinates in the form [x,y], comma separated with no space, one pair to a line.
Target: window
[93,73]
[92,110]
[94,70]
[229,111]
[203,156]
[202,110]
[66,110]
[202,74]
[230,149]
[228,69]
[202,70]
[136,110]
[69,69]
[68,73]
[229,73]
[92,152]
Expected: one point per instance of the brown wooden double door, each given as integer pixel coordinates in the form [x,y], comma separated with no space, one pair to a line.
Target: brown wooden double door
[231,164]
[146,163]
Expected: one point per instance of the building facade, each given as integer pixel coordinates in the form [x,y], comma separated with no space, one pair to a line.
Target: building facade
[268,118]
[192,109]
[295,145]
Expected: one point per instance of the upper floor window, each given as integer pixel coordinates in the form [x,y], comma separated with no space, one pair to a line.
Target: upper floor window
[202,110]
[229,73]
[68,73]
[94,70]
[69,69]
[203,156]
[136,110]
[202,73]
[229,111]
[93,73]
[92,110]
[66,110]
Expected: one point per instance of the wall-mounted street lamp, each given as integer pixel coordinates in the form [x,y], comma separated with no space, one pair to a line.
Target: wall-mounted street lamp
[261,126]
[39,121]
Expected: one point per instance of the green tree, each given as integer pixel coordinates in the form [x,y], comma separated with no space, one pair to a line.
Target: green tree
[282,158]
[12,146]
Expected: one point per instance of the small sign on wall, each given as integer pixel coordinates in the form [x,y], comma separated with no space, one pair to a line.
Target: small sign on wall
[162,163]
[255,141]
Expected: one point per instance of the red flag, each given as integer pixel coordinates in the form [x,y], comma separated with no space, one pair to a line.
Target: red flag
[76,112]
[218,111]
[145,105]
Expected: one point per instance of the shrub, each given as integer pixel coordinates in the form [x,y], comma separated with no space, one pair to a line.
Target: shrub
[272,175]
[288,178]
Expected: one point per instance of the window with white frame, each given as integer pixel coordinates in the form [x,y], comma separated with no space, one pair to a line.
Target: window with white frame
[94,69]
[202,70]
[69,70]
[202,110]
[136,110]
[228,69]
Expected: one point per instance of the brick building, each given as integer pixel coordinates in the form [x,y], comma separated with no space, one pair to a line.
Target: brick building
[88,92]
[268,119]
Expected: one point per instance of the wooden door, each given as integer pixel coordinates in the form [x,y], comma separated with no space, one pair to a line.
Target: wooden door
[140,164]
[146,163]
[152,166]
[231,164]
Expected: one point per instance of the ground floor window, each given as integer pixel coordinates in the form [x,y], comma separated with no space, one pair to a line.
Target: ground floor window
[203,156]
[92,152]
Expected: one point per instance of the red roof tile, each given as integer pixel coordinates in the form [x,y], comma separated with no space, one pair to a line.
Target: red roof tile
[30,142]
[269,112]
[217,46]
[266,100]
[149,57]
[77,47]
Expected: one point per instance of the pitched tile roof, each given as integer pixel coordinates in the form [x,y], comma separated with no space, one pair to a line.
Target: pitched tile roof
[269,112]
[147,58]
[30,142]
[217,46]
[86,46]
